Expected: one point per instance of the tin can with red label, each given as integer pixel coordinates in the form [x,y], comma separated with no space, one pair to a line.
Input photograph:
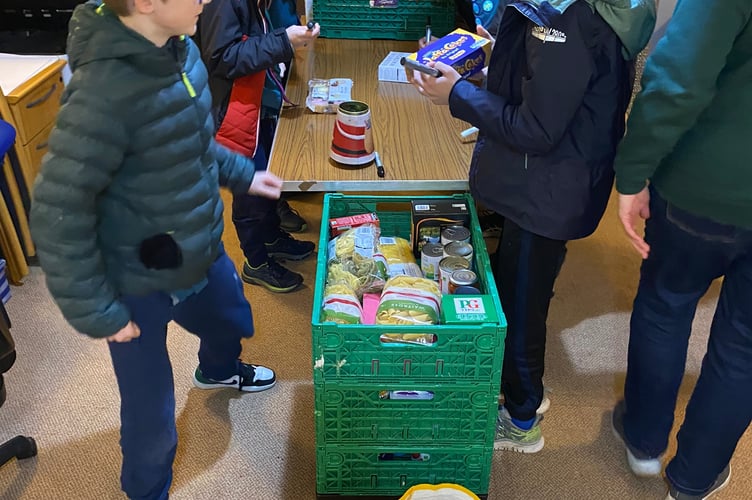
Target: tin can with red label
[352,139]
[462,277]
[447,266]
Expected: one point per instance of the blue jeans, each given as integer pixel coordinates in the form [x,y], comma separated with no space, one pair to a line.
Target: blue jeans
[220,316]
[687,253]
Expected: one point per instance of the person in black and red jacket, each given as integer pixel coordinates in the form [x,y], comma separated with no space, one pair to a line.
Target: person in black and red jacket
[245,55]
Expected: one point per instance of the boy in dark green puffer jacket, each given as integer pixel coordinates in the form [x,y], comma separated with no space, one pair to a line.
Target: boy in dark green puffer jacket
[127,218]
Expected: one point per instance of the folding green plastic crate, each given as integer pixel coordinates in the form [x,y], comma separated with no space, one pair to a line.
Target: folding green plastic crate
[385,470]
[357,354]
[449,415]
[406,21]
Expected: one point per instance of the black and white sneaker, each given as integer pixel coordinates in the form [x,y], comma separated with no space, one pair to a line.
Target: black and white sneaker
[250,378]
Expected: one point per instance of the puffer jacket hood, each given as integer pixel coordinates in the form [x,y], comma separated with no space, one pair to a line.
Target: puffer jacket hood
[633,21]
[95,33]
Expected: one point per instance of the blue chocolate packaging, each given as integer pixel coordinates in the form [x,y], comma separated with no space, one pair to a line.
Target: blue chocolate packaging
[466,52]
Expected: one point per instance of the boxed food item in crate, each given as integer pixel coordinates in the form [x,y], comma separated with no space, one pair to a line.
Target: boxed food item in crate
[430,215]
[464,309]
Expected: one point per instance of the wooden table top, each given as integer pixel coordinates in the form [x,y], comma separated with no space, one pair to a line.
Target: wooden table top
[419,143]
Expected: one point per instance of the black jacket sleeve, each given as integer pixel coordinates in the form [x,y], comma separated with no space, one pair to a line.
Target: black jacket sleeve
[558,74]
[225,52]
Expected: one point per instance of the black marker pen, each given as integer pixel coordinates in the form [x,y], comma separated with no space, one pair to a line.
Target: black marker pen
[379,166]
[416,66]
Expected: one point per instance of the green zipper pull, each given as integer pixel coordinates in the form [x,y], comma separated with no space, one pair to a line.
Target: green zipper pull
[187,83]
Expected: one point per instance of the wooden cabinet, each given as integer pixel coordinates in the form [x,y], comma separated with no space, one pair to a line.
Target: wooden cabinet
[30,91]
[33,108]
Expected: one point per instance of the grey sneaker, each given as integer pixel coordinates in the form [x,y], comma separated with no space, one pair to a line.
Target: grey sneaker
[721,482]
[512,438]
[250,378]
[641,464]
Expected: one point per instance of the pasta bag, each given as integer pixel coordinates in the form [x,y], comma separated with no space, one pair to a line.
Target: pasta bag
[357,252]
[407,300]
[341,305]
[399,257]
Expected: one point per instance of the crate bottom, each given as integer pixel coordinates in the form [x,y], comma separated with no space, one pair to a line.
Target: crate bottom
[320,496]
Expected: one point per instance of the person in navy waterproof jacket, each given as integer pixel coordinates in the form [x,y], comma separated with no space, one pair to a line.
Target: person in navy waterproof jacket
[550,117]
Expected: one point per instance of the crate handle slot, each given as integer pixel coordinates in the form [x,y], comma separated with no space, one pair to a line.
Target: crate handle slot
[407,366]
[439,367]
[374,480]
[374,367]
[402,339]
[403,395]
[404,457]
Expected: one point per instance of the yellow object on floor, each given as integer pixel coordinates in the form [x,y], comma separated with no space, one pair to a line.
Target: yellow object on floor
[444,491]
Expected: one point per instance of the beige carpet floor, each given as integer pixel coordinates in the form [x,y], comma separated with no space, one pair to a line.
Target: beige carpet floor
[261,446]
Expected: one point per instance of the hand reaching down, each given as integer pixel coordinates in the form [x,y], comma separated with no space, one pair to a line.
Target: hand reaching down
[632,207]
[266,184]
[126,334]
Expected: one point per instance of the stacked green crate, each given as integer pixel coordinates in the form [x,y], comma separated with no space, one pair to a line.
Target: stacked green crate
[367,444]
[390,20]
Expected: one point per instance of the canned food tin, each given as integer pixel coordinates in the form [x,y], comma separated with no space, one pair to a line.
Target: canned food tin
[352,139]
[446,267]
[466,290]
[430,257]
[455,233]
[461,277]
[459,249]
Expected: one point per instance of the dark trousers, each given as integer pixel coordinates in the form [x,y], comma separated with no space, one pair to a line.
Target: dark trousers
[687,253]
[220,316]
[255,217]
[526,267]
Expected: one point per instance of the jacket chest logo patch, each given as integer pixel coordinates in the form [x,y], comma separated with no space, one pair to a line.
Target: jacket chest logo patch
[548,34]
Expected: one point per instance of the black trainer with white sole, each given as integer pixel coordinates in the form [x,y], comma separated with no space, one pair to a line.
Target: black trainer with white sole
[250,378]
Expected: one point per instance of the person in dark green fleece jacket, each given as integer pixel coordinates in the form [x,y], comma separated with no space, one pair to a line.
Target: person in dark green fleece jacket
[685,167]
[127,218]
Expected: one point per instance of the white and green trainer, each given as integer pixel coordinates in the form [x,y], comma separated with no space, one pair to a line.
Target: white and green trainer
[511,438]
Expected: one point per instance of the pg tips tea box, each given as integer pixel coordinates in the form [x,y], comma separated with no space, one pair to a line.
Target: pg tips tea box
[462,309]
[466,52]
